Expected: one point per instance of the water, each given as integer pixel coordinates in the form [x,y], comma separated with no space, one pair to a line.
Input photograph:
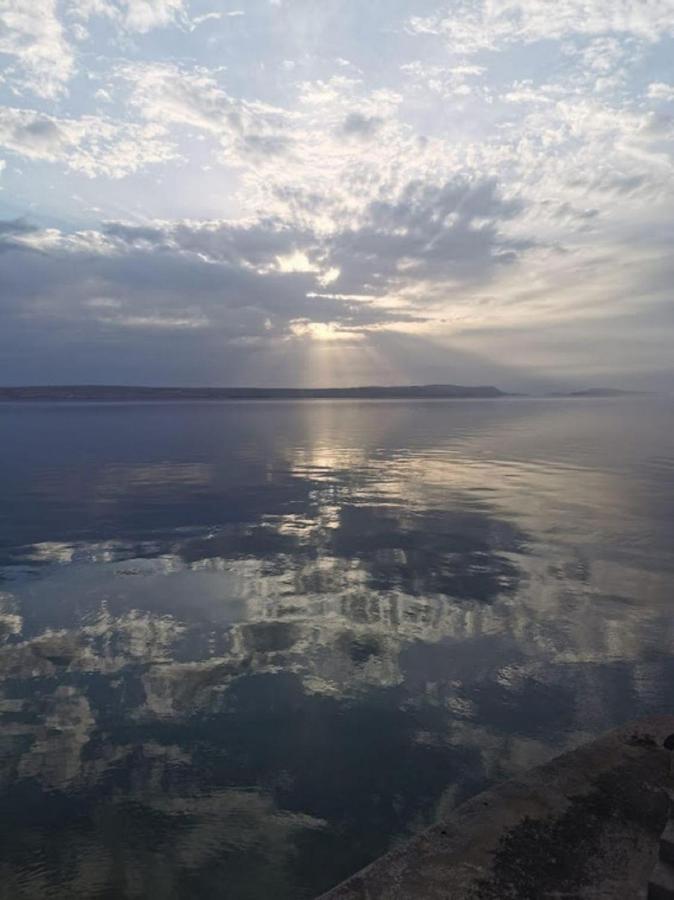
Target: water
[244,648]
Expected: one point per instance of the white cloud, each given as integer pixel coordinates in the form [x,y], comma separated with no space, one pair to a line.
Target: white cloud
[214,17]
[143,15]
[445,80]
[472,25]
[660,91]
[33,36]
[193,98]
[133,15]
[161,322]
[90,145]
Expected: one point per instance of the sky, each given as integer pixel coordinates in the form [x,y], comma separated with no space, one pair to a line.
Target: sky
[334,192]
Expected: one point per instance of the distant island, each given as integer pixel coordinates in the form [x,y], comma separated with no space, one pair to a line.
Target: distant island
[130,393]
[99,392]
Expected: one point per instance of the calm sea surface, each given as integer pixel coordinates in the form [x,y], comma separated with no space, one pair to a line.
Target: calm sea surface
[245,648]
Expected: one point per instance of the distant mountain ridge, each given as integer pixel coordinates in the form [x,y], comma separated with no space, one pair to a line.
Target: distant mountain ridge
[130,392]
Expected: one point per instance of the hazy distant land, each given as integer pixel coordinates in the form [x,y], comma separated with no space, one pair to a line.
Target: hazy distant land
[117,393]
[600,392]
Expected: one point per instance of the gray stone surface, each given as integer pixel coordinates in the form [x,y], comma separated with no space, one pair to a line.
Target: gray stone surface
[667,843]
[661,885]
[585,825]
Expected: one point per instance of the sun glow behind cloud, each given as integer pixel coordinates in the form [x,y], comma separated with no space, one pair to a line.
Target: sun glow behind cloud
[330,332]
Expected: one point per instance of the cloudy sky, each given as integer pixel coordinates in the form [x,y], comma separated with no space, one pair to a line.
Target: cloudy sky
[331,192]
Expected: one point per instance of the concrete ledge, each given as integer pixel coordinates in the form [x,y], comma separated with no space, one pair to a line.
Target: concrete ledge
[586,824]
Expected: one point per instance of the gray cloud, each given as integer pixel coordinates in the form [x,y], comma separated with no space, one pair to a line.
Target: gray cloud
[31,133]
[11,233]
[200,290]
[446,231]
[361,125]
[16,227]
[258,244]
[193,286]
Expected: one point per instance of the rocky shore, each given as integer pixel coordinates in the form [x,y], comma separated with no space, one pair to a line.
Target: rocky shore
[587,824]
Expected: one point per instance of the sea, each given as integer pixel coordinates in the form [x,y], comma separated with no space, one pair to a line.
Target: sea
[247,647]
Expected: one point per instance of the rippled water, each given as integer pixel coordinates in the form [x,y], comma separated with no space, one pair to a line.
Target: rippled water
[245,648]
